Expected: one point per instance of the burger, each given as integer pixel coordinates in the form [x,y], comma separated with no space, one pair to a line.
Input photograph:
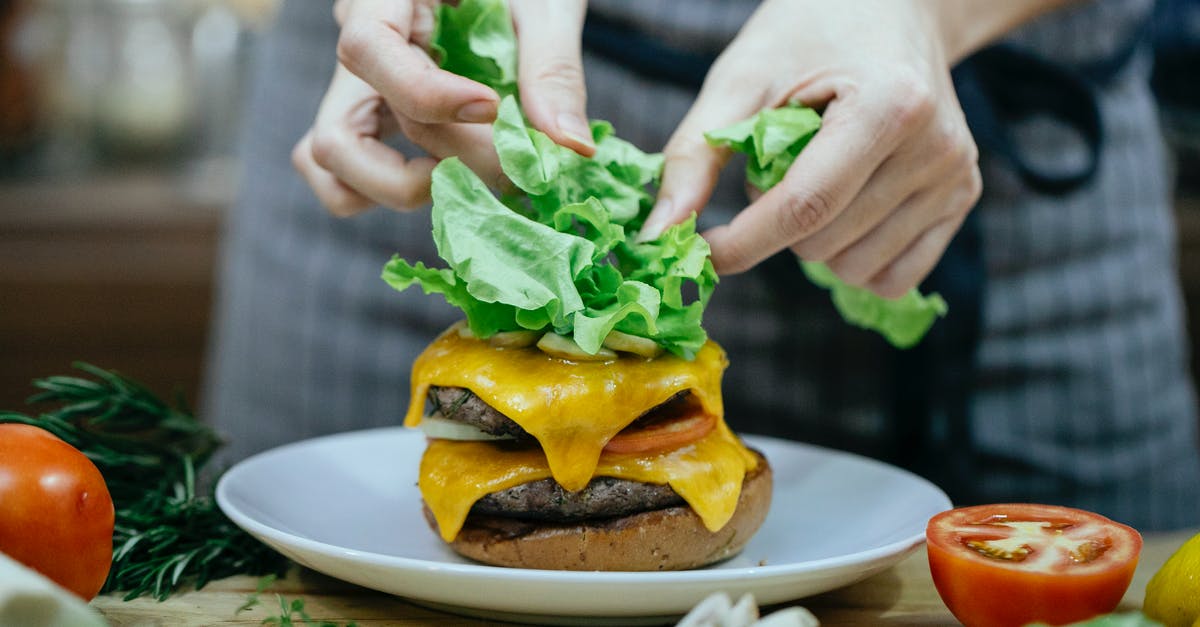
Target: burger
[547,459]
[575,417]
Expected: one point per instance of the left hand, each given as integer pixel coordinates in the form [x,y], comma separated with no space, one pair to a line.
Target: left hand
[882,188]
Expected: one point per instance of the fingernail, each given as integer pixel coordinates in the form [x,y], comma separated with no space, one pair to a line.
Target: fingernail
[478,111]
[574,127]
[660,216]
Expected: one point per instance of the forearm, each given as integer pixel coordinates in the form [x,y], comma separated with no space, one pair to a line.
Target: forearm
[968,25]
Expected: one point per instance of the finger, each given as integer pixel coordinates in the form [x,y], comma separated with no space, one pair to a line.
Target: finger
[551,70]
[375,45]
[825,178]
[345,143]
[470,142]
[691,166]
[339,199]
[888,189]
[869,257]
[942,155]
[916,262]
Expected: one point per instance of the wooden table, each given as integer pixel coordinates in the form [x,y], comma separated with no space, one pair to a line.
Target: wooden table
[903,595]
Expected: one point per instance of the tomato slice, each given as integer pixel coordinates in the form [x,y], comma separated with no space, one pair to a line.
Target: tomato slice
[680,425]
[1008,565]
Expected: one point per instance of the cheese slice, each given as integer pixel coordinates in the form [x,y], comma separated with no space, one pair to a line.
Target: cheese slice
[572,408]
[707,474]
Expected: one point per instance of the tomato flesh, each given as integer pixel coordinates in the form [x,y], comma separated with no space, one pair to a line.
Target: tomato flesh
[1008,565]
[679,425]
[56,515]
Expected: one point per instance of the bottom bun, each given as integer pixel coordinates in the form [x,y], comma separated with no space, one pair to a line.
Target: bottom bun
[664,539]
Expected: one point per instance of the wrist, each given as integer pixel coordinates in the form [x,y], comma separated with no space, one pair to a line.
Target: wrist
[965,26]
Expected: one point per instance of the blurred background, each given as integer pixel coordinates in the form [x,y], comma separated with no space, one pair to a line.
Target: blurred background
[118,126]
[118,121]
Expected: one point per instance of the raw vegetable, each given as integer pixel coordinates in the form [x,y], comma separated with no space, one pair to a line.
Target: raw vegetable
[441,429]
[664,435]
[1122,619]
[772,140]
[557,253]
[1173,594]
[56,515]
[1008,565]
[168,533]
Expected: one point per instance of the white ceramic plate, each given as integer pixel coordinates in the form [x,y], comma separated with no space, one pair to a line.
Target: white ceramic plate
[347,505]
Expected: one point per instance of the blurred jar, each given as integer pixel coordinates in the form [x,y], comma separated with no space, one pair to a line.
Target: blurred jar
[139,79]
[145,89]
[18,89]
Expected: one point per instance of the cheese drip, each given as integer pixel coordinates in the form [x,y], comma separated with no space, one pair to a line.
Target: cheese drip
[572,408]
[707,474]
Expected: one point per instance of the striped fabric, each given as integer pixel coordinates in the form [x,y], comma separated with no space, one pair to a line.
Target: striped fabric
[1083,395]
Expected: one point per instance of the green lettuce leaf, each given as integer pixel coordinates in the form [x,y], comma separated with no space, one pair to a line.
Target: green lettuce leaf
[476,40]
[772,140]
[903,321]
[485,319]
[624,160]
[502,256]
[558,252]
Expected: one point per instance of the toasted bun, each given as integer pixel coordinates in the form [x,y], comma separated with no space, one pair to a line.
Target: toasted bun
[665,539]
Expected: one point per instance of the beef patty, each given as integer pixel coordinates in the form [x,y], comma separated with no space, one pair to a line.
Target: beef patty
[602,498]
[545,499]
[462,405]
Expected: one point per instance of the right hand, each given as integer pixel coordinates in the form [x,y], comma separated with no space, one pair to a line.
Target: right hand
[386,82]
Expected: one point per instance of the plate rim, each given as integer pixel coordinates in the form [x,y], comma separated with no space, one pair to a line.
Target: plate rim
[699,576]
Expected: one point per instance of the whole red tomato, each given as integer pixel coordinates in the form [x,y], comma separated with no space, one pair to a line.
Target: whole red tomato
[56,515]
[1013,564]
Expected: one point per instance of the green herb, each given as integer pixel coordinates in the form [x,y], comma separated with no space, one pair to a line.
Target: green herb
[252,599]
[290,612]
[167,532]
[1123,619]
[559,253]
[772,140]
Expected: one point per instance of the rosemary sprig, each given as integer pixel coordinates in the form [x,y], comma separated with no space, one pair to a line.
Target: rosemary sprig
[168,533]
[291,612]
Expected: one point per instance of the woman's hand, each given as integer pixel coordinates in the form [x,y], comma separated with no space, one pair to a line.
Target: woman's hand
[885,184]
[386,82]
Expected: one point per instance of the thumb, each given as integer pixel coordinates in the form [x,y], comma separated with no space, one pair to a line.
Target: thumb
[550,70]
[691,166]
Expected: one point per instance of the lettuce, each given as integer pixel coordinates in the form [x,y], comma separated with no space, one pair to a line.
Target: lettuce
[772,140]
[476,40]
[558,253]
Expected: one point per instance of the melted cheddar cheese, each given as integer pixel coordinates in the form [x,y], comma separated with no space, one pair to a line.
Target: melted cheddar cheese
[572,408]
[707,474]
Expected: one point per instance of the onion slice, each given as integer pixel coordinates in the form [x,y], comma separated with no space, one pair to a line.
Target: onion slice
[439,428]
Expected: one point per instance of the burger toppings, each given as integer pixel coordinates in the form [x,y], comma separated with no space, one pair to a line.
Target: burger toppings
[707,475]
[678,422]
[474,419]
[571,408]
[557,254]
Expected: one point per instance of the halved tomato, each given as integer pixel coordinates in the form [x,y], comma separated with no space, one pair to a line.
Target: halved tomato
[681,424]
[1012,564]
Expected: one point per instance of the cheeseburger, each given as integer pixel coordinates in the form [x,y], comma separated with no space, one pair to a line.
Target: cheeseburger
[574,418]
[539,459]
